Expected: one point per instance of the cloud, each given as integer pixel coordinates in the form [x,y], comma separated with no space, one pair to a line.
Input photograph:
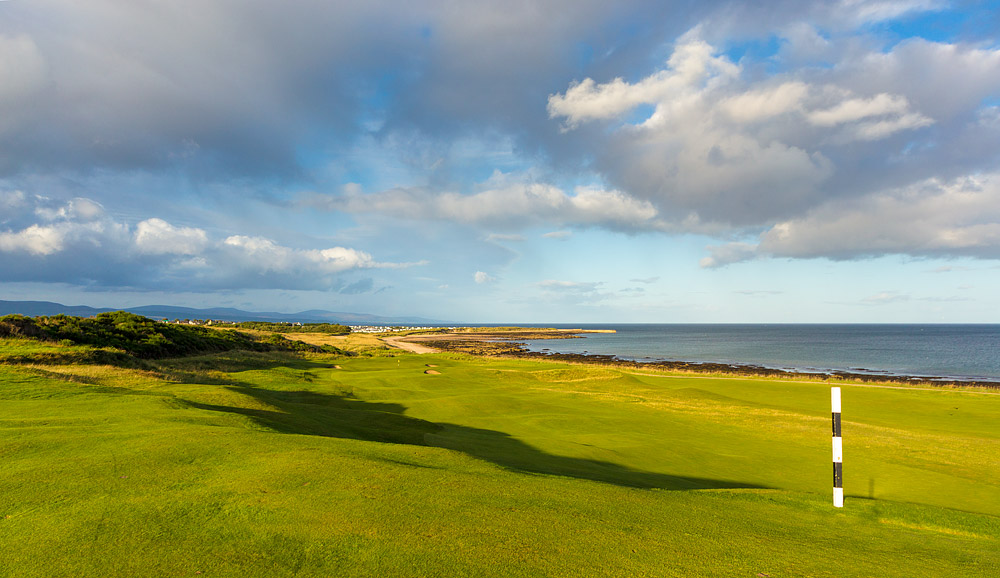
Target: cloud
[9,200]
[885,298]
[35,240]
[873,118]
[23,73]
[185,104]
[365,285]
[158,237]
[873,11]
[481,278]
[79,209]
[949,269]
[570,286]
[77,221]
[960,218]
[512,206]
[928,219]
[223,88]
[694,157]
[78,242]
[557,235]
[964,76]
[577,292]
[859,108]
[647,280]
[765,103]
[722,255]
[691,64]
[725,149]
[265,256]
[504,237]
[945,299]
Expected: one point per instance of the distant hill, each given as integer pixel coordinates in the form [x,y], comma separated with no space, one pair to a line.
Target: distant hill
[35,308]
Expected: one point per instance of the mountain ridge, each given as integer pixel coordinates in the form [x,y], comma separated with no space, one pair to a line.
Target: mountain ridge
[36,308]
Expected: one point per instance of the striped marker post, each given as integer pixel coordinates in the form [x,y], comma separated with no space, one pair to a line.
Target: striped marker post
[838,451]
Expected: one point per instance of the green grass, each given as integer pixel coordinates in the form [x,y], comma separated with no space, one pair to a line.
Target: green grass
[265,464]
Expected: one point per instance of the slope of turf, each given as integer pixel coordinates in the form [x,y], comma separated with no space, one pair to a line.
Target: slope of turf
[265,464]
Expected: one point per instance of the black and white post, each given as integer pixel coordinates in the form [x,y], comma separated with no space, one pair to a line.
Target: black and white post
[838,451]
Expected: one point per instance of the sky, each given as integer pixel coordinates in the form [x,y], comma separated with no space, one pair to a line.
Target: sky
[563,161]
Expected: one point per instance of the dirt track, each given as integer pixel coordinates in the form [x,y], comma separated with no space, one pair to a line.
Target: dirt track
[402,343]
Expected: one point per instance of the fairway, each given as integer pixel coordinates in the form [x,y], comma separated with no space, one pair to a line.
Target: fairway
[276,464]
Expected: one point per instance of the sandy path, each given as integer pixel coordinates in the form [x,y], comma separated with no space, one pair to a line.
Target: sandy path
[402,343]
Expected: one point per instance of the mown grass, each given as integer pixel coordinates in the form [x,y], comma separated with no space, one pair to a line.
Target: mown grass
[269,464]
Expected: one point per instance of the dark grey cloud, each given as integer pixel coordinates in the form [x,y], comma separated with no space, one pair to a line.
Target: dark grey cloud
[210,86]
[238,87]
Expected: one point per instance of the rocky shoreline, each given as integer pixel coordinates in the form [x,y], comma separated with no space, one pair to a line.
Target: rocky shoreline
[502,344]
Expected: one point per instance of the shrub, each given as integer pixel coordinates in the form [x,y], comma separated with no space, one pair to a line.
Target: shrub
[19,326]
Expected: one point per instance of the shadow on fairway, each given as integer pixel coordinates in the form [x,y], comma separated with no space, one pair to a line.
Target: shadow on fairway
[311,413]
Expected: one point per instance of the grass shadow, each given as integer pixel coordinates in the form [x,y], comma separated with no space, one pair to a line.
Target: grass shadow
[343,416]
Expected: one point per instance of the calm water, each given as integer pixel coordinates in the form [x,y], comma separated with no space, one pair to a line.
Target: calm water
[956,351]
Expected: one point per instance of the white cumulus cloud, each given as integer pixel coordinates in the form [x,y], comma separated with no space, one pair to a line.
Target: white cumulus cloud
[765,103]
[692,64]
[78,240]
[36,240]
[158,237]
[728,148]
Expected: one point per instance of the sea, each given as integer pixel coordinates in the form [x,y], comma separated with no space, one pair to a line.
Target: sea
[962,352]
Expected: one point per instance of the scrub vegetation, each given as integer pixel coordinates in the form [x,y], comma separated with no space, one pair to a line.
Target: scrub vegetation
[142,337]
[246,462]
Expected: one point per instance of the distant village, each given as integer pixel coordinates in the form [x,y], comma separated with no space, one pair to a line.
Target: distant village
[385,328]
[354,328]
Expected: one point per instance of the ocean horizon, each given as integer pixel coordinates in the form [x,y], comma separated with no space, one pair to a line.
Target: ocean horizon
[946,351]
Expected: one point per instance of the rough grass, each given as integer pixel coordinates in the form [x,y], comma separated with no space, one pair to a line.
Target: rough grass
[265,464]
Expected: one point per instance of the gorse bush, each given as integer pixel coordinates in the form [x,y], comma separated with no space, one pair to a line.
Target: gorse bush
[143,337]
[19,326]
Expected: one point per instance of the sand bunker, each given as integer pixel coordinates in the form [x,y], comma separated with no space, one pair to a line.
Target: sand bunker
[432,372]
[430,365]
